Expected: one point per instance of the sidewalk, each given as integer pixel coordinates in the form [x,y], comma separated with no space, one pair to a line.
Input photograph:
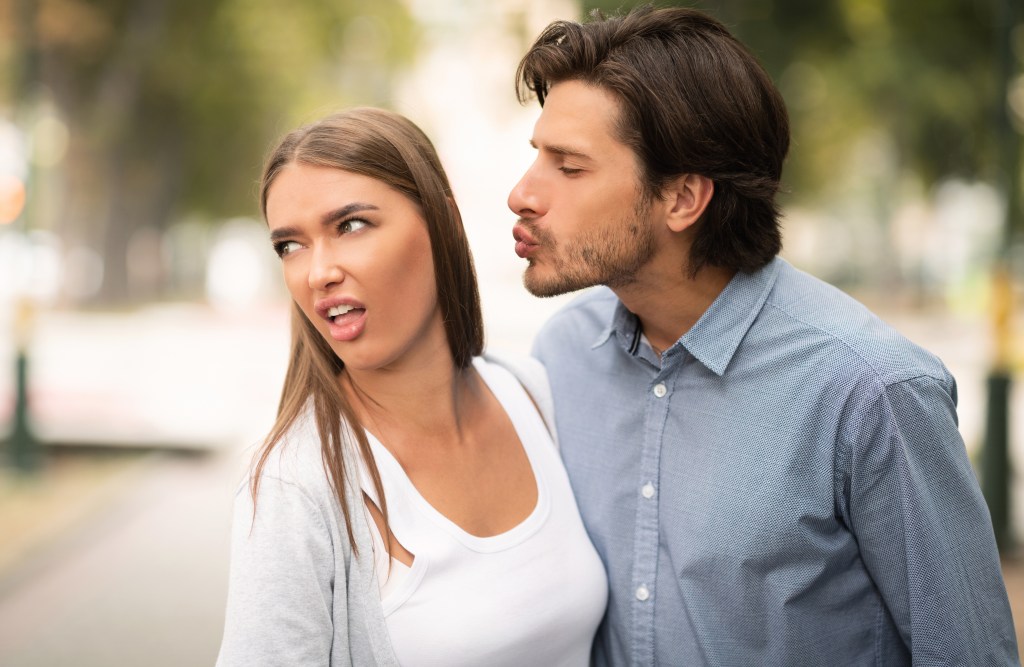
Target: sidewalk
[139,577]
[43,510]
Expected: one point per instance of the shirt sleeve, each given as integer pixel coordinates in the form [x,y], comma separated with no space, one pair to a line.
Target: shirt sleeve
[922,525]
[279,609]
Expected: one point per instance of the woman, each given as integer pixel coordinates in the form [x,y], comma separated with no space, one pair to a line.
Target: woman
[408,506]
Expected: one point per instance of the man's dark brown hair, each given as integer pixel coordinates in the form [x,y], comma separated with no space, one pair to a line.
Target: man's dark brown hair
[693,100]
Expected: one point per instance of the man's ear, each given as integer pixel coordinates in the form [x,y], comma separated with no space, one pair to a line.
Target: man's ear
[687,197]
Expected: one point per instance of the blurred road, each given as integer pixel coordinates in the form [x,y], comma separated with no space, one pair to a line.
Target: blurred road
[141,582]
[126,564]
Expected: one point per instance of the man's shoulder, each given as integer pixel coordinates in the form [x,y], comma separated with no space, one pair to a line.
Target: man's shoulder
[847,329]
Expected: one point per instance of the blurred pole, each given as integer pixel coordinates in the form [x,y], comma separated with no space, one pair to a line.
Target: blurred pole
[23,448]
[996,470]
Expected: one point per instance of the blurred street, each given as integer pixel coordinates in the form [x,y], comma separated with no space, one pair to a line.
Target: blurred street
[116,551]
[118,555]
[140,581]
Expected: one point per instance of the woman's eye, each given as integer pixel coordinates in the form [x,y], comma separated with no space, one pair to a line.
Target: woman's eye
[283,248]
[349,226]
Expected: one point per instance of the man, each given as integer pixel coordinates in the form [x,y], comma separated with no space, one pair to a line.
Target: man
[771,474]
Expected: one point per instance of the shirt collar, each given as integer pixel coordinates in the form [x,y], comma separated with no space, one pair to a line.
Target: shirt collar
[624,326]
[713,340]
[716,335]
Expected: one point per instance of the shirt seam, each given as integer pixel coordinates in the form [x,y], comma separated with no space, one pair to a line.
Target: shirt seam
[885,380]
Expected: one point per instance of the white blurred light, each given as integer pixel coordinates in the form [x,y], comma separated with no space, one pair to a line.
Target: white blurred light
[237,274]
[83,273]
[30,266]
[46,266]
[15,265]
[13,151]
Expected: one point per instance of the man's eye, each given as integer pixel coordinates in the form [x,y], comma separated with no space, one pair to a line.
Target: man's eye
[283,248]
[569,171]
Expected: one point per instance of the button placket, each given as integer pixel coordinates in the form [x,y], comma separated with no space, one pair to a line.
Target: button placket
[657,402]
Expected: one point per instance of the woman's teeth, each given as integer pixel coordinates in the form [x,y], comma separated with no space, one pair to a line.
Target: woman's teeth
[339,310]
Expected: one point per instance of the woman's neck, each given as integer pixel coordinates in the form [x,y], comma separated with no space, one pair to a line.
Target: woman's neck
[420,399]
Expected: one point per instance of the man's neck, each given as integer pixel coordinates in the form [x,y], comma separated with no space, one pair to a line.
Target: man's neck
[668,301]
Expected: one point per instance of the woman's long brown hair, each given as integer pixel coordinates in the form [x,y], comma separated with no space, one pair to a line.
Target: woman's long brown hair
[390,148]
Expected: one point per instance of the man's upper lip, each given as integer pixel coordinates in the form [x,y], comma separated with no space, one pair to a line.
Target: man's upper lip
[323,305]
[520,234]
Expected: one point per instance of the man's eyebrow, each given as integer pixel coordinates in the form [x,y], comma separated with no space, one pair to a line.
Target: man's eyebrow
[564,151]
[325,219]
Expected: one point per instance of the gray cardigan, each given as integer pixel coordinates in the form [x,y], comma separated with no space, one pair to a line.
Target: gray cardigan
[297,594]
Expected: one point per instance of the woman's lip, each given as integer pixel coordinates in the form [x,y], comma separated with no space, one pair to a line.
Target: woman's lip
[349,326]
[322,306]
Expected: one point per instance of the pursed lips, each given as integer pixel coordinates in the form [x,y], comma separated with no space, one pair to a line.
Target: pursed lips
[525,243]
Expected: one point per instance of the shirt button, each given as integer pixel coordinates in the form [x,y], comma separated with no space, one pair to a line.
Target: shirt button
[660,390]
[642,594]
[648,490]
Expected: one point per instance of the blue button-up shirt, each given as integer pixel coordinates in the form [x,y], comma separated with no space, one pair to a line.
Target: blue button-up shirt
[786,485]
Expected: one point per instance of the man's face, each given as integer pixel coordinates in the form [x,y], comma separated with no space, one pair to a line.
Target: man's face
[583,219]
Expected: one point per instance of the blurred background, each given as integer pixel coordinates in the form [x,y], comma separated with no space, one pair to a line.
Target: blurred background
[143,326]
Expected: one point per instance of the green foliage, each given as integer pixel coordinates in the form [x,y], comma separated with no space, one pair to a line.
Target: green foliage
[195,90]
[923,74]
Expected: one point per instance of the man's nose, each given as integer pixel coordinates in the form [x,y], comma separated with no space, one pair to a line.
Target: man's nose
[324,268]
[526,199]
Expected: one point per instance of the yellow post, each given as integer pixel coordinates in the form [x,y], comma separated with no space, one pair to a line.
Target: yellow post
[995,460]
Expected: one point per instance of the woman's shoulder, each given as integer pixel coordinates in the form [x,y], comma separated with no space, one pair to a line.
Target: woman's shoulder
[528,370]
[533,378]
[296,460]
[298,448]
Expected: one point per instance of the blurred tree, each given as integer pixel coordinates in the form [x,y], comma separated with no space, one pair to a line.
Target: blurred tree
[171,104]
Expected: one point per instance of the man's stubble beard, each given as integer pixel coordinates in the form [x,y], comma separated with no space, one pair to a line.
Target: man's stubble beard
[611,257]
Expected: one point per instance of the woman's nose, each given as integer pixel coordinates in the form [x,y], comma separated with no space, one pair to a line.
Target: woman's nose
[324,268]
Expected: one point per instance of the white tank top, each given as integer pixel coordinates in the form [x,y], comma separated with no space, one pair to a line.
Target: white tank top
[533,595]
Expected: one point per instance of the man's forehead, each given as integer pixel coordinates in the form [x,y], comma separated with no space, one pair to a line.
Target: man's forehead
[577,118]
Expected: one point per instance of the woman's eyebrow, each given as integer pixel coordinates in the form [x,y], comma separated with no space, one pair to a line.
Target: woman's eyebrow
[325,219]
[345,211]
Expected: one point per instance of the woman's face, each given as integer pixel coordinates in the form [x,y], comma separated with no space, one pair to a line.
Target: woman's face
[356,258]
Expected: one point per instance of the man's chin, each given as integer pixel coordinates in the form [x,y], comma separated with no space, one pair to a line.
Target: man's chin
[548,285]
